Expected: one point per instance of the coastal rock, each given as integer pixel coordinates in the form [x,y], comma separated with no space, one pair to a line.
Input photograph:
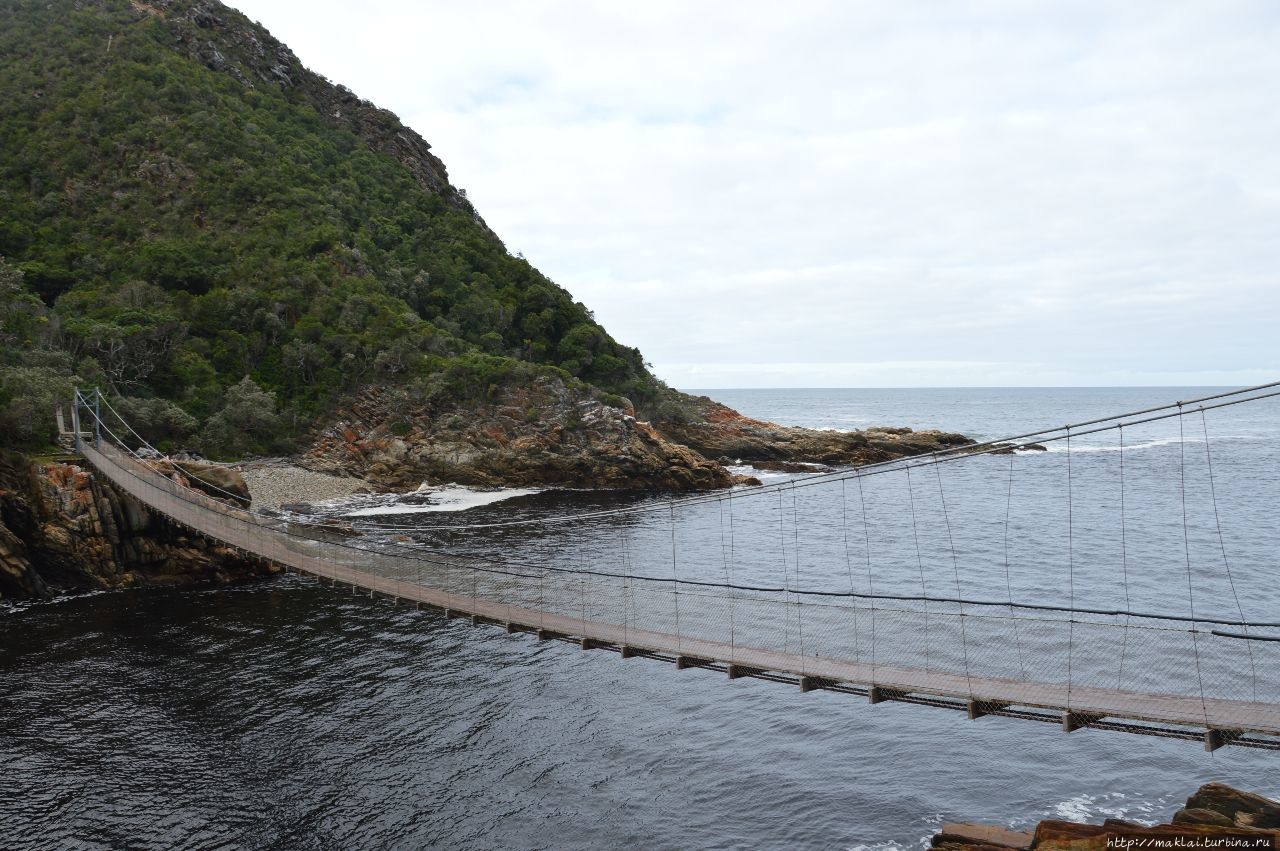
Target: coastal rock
[1197,815]
[1215,810]
[544,433]
[979,837]
[1242,808]
[63,529]
[1069,836]
[550,434]
[717,430]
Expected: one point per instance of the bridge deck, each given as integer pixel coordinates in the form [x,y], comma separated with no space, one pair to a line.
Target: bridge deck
[1084,703]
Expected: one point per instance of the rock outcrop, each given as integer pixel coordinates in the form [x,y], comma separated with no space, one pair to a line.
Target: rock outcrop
[63,529]
[1214,812]
[544,433]
[547,433]
[719,431]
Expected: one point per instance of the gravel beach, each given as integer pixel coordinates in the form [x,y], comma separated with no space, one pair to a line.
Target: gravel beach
[275,482]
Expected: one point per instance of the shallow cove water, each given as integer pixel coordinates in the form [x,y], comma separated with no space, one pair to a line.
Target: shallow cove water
[289,715]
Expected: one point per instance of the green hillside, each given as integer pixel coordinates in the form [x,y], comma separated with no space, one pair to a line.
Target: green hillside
[183,206]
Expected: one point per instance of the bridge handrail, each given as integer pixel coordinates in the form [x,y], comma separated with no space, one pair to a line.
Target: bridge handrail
[344,562]
[141,469]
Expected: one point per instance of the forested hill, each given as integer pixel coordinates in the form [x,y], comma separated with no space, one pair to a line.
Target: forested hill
[234,245]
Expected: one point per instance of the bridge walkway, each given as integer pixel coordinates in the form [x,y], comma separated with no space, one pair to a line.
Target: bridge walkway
[1218,721]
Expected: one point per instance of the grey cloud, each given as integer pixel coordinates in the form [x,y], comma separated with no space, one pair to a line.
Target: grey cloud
[958,193]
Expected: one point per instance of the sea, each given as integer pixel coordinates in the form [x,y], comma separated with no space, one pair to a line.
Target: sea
[286,714]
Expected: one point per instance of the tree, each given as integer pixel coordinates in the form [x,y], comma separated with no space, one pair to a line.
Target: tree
[28,397]
[246,424]
[21,313]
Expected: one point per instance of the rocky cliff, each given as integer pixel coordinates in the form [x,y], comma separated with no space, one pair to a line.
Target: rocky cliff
[1216,816]
[543,433]
[62,529]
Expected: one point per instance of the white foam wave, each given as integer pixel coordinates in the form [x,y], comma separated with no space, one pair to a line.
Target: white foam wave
[765,476]
[1061,445]
[447,498]
[14,606]
[1088,808]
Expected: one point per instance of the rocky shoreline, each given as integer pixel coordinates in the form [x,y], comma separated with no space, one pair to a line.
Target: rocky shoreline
[720,432]
[61,529]
[1216,816]
[549,434]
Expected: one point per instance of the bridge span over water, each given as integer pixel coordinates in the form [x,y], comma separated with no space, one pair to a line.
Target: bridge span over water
[1180,653]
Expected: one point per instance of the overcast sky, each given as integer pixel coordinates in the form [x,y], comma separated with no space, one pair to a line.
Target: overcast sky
[860,194]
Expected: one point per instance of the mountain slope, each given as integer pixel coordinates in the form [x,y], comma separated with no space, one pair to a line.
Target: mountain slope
[210,230]
[251,259]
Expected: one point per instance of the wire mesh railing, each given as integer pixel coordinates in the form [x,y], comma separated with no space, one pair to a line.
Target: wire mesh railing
[1220,674]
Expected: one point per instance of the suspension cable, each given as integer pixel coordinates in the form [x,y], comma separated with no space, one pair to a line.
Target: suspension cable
[878,468]
[512,568]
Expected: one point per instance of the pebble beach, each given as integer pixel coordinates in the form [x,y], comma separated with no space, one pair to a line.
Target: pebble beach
[276,482]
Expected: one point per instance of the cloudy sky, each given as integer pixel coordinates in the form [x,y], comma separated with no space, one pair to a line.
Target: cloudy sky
[860,194]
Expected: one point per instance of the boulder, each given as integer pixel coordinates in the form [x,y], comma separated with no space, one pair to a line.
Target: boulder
[221,483]
[1242,808]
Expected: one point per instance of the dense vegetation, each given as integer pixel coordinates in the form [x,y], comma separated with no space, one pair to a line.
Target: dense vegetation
[229,258]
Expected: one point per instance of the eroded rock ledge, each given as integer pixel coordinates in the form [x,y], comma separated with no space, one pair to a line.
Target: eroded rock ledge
[549,434]
[63,530]
[721,432]
[540,434]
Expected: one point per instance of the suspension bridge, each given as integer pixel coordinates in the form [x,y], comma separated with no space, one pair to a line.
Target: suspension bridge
[1133,610]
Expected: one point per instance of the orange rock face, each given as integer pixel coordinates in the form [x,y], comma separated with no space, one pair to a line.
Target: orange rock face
[1213,814]
[62,529]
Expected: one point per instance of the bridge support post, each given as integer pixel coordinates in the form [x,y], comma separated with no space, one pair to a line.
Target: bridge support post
[978,708]
[627,651]
[1072,721]
[879,694]
[813,683]
[1214,739]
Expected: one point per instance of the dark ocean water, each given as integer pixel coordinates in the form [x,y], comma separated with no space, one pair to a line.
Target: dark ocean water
[287,715]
